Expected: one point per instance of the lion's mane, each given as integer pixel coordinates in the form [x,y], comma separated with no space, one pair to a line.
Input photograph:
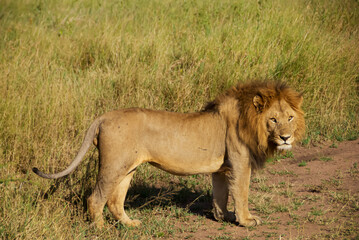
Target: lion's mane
[251,128]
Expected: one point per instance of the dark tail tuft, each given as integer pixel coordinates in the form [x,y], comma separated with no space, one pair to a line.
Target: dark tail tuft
[35,170]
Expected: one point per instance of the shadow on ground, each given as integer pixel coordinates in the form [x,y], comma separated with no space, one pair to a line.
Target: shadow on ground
[78,187]
[147,196]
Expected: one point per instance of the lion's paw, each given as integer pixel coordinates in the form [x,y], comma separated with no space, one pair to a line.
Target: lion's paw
[252,221]
[133,223]
[97,224]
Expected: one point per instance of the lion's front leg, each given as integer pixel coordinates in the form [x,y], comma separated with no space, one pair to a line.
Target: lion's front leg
[239,188]
[239,178]
[220,198]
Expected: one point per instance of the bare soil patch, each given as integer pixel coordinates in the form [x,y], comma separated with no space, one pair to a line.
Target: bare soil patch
[313,194]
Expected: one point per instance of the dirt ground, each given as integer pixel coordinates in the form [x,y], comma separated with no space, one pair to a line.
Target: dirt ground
[312,194]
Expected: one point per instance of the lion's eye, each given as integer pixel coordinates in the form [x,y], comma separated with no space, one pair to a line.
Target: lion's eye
[273,120]
[290,118]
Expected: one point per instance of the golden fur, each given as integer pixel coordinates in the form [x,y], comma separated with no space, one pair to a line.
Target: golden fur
[232,135]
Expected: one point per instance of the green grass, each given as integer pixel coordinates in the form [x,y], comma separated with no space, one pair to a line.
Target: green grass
[62,63]
[282,172]
[279,156]
[302,164]
[325,159]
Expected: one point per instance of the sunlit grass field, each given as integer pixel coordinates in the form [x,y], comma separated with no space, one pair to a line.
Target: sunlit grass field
[62,63]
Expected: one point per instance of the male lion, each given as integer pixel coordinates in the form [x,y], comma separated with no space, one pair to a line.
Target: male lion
[232,135]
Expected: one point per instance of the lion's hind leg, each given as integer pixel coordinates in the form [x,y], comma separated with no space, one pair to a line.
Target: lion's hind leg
[96,203]
[106,185]
[116,202]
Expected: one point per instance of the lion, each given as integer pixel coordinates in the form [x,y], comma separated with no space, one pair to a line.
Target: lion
[230,137]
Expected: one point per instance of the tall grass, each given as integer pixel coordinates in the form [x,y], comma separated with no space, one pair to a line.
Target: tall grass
[62,63]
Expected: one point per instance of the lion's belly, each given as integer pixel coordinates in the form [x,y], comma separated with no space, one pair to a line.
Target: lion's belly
[188,167]
[185,156]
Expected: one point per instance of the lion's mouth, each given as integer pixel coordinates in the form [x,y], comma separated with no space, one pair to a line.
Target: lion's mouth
[284,146]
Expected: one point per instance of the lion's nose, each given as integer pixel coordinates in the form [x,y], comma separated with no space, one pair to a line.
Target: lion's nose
[285,138]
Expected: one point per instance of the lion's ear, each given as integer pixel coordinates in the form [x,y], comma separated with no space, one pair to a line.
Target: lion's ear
[259,103]
[300,100]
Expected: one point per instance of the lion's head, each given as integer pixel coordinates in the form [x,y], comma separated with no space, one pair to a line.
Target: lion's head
[268,116]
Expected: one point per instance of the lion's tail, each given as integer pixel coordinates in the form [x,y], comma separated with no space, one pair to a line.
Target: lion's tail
[86,144]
